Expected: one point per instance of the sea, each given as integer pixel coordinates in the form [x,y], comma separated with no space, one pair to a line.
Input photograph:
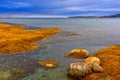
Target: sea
[93,34]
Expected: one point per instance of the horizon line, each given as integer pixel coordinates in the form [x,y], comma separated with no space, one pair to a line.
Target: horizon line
[51,16]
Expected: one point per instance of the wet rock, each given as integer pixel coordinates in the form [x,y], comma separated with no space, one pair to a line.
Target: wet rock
[96,67]
[72,34]
[77,53]
[19,72]
[79,70]
[90,60]
[48,63]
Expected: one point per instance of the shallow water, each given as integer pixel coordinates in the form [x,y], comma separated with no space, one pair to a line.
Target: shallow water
[93,34]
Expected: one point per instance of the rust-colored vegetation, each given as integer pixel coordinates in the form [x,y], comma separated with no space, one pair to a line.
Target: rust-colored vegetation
[13,38]
[110,61]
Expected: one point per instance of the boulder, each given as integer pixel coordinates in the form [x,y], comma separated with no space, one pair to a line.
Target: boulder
[48,63]
[77,53]
[97,68]
[79,70]
[90,60]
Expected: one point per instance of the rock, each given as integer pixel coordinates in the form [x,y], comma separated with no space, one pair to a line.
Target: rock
[75,74]
[72,34]
[78,69]
[19,72]
[48,63]
[90,60]
[96,67]
[77,53]
[78,65]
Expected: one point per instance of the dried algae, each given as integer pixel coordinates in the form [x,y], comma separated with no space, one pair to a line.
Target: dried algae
[14,38]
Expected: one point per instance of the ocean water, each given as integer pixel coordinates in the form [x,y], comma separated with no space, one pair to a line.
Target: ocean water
[93,35]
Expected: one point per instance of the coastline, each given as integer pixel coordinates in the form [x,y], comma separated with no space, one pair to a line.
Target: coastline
[110,61]
[111,72]
[14,38]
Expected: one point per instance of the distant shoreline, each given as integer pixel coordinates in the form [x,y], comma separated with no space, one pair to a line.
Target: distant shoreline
[106,16]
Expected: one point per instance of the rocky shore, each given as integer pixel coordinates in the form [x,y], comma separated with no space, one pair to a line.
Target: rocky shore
[109,61]
[103,65]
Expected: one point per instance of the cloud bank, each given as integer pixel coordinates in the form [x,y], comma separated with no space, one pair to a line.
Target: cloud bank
[59,7]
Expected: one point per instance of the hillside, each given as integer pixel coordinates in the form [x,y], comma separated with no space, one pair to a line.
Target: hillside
[107,16]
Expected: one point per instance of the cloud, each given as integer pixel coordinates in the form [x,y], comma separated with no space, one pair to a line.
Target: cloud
[91,9]
[15,5]
[19,4]
[74,8]
[60,7]
[33,16]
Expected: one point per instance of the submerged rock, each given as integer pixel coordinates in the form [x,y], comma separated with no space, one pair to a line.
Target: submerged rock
[72,34]
[19,72]
[90,60]
[48,63]
[5,75]
[77,53]
[78,70]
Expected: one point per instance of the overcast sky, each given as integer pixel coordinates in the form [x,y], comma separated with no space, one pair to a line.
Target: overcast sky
[54,8]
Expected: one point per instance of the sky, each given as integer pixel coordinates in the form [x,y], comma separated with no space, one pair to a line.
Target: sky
[58,8]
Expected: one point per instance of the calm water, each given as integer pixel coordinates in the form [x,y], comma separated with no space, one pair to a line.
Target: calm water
[93,34]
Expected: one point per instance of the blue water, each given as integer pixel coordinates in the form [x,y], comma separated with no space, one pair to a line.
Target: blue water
[93,35]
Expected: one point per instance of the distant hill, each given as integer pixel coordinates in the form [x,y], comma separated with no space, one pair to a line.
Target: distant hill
[108,16]
[83,17]
[111,16]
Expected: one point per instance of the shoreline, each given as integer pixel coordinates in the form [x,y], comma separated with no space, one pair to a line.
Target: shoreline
[13,37]
[108,54]
[110,61]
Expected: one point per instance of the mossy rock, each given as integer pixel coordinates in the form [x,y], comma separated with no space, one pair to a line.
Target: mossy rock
[77,53]
[90,60]
[79,70]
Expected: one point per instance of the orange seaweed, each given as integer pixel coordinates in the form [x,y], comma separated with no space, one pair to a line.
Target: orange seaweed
[110,61]
[13,38]
[48,63]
